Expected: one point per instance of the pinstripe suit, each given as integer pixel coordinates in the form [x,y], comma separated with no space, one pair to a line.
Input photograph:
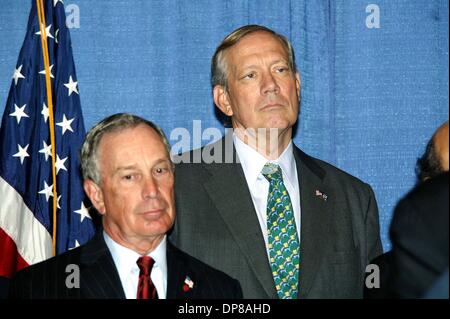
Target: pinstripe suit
[99,278]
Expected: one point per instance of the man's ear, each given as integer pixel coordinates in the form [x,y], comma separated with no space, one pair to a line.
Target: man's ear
[297,83]
[95,194]
[222,100]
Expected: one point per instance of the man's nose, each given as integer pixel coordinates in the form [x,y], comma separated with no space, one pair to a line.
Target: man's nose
[269,84]
[150,188]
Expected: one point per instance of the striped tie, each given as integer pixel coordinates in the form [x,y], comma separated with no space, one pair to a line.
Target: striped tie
[284,247]
[146,289]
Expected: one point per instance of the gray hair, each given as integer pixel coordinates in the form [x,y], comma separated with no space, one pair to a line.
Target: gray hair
[219,67]
[114,123]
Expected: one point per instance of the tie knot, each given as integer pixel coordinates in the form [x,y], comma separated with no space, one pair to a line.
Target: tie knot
[145,264]
[271,172]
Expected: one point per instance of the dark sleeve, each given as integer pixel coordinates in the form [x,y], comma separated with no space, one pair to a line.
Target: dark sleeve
[218,285]
[40,281]
[374,247]
[383,262]
[237,290]
[4,287]
[412,269]
[21,286]
[419,235]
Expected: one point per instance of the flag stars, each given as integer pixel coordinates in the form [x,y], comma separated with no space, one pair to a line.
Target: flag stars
[83,211]
[19,112]
[47,32]
[17,74]
[51,74]
[71,85]
[77,244]
[60,164]
[46,150]
[65,124]
[45,113]
[29,139]
[57,202]
[47,191]
[22,153]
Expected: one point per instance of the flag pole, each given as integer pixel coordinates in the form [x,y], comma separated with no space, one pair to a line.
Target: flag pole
[42,26]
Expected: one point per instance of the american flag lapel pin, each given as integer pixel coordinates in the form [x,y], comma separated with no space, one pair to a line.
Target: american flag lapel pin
[188,284]
[321,195]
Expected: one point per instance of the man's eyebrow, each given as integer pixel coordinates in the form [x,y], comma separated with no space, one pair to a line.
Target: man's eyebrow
[134,166]
[253,65]
[162,160]
[280,60]
[127,167]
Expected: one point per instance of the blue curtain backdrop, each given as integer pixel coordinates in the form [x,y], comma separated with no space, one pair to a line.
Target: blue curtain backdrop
[374,87]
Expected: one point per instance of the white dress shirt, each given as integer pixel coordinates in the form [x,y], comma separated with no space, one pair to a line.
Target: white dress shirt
[252,163]
[125,260]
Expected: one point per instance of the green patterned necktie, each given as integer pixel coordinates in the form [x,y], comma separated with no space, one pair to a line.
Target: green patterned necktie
[284,247]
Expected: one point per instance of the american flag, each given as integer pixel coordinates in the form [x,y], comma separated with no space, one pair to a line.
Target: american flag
[26,179]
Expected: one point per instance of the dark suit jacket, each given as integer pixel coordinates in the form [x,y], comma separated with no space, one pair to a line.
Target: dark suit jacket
[419,235]
[384,263]
[100,279]
[217,223]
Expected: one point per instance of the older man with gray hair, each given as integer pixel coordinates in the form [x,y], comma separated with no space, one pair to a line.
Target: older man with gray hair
[285,224]
[129,178]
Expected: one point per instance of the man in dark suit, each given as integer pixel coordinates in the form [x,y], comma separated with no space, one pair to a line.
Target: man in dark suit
[128,176]
[432,163]
[253,205]
[419,234]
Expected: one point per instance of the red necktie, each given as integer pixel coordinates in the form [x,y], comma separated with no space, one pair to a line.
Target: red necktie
[146,289]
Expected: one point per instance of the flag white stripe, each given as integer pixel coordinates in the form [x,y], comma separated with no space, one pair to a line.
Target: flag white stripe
[33,241]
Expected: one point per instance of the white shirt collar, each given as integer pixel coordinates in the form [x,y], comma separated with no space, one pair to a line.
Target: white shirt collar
[125,259]
[253,162]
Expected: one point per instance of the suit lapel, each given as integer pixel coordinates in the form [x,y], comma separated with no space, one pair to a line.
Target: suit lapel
[316,213]
[177,273]
[229,192]
[99,276]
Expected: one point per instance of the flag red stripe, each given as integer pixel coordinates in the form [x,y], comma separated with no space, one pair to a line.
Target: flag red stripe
[11,259]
